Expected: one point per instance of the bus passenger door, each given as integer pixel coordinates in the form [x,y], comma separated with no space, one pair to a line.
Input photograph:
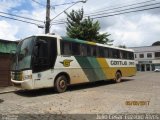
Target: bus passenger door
[43,61]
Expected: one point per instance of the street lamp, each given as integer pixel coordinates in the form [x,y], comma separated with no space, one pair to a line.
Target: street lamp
[40,26]
[83,1]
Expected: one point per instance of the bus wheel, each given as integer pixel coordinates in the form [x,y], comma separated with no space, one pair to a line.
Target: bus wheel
[118,77]
[61,84]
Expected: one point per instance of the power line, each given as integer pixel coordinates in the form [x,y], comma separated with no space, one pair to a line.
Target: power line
[98,17]
[55,4]
[126,12]
[39,3]
[126,9]
[18,20]
[113,8]
[127,5]
[21,17]
[65,4]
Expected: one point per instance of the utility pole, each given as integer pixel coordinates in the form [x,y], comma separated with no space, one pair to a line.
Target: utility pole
[47,23]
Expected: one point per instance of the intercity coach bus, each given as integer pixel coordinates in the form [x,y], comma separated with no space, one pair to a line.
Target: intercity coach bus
[43,61]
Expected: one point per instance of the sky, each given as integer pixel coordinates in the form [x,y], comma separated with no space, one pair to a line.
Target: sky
[131,29]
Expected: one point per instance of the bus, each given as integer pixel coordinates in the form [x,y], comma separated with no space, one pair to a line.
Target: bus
[49,60]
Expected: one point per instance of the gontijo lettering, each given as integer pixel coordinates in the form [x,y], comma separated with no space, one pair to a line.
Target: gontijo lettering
[118,62]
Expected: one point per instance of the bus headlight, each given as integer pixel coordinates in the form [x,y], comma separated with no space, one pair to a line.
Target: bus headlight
[27,77]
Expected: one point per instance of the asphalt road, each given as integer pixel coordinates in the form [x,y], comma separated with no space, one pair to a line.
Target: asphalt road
[138,94]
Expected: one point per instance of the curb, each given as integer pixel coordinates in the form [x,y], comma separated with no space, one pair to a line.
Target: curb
[4,90]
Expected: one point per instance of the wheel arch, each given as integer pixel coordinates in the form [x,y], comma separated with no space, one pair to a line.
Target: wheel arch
[119,72]
[63,74]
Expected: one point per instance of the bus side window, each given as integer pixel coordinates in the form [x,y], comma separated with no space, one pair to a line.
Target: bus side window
[131,56]
[83,50]
[115,53]
[124,54]
[110,53]
[106,52]
[88,50]
[121,54]
[66,48]
[75,48]
[93,51]
[101,52]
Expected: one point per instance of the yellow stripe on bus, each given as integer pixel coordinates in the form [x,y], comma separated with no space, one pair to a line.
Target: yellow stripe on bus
[105,67]
[110,71]
[91,43]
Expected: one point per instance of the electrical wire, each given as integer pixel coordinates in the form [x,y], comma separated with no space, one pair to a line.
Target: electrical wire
[113,8]
[21,17]
[18,20]
[126,9]
[110,15]
[127,5]
[126,12]
[39,3]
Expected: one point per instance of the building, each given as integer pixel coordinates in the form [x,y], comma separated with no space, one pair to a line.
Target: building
[147,58]
[6,49]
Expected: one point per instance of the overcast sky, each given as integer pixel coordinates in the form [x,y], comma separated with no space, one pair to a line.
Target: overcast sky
[132,29]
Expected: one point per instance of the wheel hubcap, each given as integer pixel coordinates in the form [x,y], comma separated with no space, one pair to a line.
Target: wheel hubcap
[62,84]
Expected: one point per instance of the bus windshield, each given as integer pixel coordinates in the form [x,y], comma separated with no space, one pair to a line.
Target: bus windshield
[22,58]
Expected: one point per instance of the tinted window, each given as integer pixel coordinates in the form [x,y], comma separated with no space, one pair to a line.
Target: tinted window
[93,51]
[124,54]
[110,53]
[131,55]
[101,52]
[83,50]
[75,48]
[115,53]
[106,52]
[66,48]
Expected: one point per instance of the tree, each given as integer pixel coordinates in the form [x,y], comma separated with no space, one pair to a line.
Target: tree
[85,29]
[156,43]
[122,46]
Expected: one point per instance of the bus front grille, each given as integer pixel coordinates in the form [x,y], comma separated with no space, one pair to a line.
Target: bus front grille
[17,76]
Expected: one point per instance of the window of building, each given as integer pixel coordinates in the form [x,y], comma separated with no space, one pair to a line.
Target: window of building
[157,54]
[141,55]
[149,55]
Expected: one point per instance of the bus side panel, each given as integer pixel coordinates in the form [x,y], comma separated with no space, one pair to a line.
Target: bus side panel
[111,66]
[69,65]
[80,69]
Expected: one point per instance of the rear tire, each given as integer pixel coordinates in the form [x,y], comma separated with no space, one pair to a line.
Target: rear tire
[118,77]
[61,84]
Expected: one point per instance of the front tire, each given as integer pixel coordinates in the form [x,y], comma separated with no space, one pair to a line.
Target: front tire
[118,77]
[61,84]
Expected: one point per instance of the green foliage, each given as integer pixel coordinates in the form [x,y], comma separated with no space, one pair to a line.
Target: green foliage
[157,43]
[122,46]
[85,29]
